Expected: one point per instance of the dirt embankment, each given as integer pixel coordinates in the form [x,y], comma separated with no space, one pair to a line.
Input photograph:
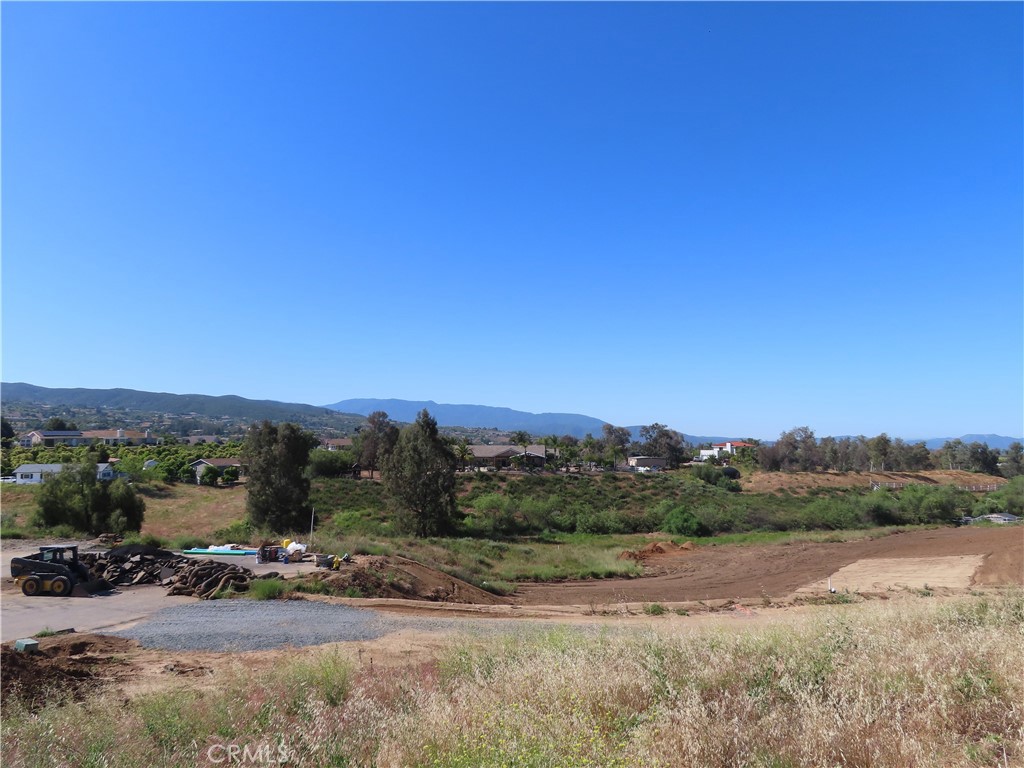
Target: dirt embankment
[800,483]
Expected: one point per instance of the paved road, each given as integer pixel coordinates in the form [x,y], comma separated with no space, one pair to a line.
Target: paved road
[22,616]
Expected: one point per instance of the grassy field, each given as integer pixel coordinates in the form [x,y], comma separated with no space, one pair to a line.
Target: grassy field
[878,684]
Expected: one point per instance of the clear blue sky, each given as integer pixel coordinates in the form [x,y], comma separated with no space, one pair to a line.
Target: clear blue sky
[729,218]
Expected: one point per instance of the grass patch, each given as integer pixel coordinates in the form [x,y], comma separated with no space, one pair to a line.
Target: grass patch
[267,589]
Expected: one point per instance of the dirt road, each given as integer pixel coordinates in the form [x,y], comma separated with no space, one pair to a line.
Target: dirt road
[736,572]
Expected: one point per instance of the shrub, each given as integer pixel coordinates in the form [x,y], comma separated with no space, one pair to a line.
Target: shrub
[681,522]
[238,532]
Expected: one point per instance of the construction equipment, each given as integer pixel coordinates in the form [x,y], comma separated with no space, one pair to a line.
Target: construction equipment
[55,569]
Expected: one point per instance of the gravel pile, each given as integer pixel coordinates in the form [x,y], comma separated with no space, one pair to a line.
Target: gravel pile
[257,625]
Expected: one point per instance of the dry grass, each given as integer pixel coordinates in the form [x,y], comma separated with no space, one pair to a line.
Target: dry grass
[190,510]
[876,684]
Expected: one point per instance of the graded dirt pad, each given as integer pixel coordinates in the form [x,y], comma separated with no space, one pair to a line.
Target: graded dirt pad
[878,574]
[779,570]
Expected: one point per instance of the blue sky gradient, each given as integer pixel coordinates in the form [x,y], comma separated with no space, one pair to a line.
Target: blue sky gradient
[730,218]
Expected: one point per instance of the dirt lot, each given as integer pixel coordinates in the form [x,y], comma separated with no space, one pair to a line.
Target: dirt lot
[726,583]
[777,571]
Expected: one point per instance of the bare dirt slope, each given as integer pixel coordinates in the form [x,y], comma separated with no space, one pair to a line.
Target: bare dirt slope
[734,572]
[800,483]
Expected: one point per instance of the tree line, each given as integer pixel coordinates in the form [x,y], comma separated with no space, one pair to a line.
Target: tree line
[799,450]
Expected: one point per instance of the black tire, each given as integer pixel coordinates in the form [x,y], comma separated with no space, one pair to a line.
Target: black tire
[60,586]
[31,586]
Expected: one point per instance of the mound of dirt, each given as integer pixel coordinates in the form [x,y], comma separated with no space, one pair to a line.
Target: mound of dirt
[397,577]
[376,577]
[654,549]
[66,667]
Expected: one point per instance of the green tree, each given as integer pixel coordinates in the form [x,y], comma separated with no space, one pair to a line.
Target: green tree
[1014,464]
[278,490]
[983,458]
[663,442]
[6,433]
[74,497]
[615,440]
[521,438]
[879,451]
[419,476]
[463,453]
[57,424]
[209,476]
[376,440]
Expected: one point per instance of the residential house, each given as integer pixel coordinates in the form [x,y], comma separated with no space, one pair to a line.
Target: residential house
[647,463]
[34,474]
[121,437]
[220,464]
[501,456]
[49,438]
[203,440]
[336,443]
[728,448]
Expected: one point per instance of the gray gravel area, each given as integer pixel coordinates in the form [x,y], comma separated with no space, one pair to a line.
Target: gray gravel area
[257,625]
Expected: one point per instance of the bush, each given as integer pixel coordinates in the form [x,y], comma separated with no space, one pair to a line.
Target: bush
[240,531]
[680,522]
[330,463]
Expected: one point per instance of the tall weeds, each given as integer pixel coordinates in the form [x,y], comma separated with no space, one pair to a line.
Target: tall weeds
[874,684]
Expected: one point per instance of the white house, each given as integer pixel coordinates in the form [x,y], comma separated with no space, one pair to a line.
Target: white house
[33,474]
[648,463]
[728,448]
[28,474]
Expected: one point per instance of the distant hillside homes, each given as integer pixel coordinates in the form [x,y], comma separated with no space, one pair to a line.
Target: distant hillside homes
[50,438]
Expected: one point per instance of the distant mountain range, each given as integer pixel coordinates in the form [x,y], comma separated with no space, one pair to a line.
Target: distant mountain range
[482,416]
[209,406]
[347,414]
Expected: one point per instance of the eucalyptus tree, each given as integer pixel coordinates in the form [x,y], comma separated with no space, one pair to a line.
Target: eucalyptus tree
[277,492]
[419,476]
